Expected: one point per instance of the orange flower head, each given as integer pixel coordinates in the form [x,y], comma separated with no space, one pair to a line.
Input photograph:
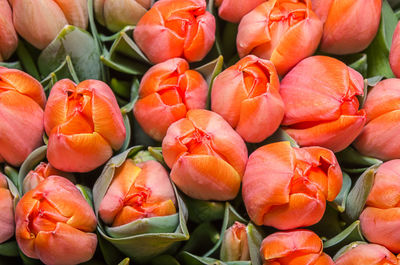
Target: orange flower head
[394,55]
[8,36]
[233,10]
[7,225]
[368,254]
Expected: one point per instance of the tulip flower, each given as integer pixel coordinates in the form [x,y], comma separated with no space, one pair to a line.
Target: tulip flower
[137,191]
[247,96]
[40,21]
[233,10]
[321,8]
[55,224]
[283,31]
[176,28]
[167,91]
[115,15]
[21,96]
[321,105]
[206,156]
[287,187]
[6,209]
[367,254]
[394,55]
[8,36]
[84,125]
[350,25]
[235,244]
[380,137]
[294,247]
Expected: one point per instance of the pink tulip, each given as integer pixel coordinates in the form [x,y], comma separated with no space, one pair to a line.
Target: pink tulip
[8,36]
[7,225]
[234,10]
[394,55]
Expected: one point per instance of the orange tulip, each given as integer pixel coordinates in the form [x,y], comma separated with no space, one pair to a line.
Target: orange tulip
[206,156]
[367,254]
[394,55]
[54,223]
[167,91]
[234,10]
[40,21]
[321,8]
[321,105]
[235,244]
[350,25]
[84,125]
[137,191]
[283,31]
[8,36]
[176,28]
[287,187]
[7,212]
[295,247]
[380,220]
[247,96]
[21,96]
[381,136]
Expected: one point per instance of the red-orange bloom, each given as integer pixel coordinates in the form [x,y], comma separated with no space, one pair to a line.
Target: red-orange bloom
[7,212]
[247,96]
[281,182]
[233,10]
[176,28]
[8,36]
[367,254]
[394,55]
[167,91]
[321,105]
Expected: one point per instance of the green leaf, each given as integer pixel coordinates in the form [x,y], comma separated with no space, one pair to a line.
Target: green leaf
[34,158]
[120,88]
[124,262]
[86,193]
[330,223]
[340,201]
[12,174]
[204,237]
[204,211]
[350,234]
[134,95]
[127,140]
[27,60]
[14,191]
[229,39]
[12,65]
[164,260]
[187,258]
[359,63]
[28,261]
[254,238]
[350,158]
[9,249]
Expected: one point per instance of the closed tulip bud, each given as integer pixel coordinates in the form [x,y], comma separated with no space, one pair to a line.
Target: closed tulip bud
[84,125]
[350,25]
[115,15]
[21,96]
[234,10]
[167,91]
[40,21]
[294,247]
[235,244]
[8,36]
[206,156]
[7,212]
[137,191]
[247,96]
[394,55]
[176,28]
[367,254]
[321,105]
[380,137]
[281,182]
[283,31]
[55,224]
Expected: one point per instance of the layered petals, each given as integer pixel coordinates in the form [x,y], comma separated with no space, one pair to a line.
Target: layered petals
[7,225]
[394,55]
[234,245]
[8,36]
[368,254]
[233,11]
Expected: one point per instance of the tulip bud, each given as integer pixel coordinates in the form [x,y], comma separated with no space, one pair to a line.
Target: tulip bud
[350,25]
[176,28]
[115,15]
[394,55]
[380,137]
[283,31]
[54,223]
[21,96]
[247,96]
[294,190]
[84,125]
[235,245]
[6,210]
[321,105]
[294,247]
[234,10]
[167,91]
[366,254]
[8,36]
[137,191]
[206,156]
[40,21]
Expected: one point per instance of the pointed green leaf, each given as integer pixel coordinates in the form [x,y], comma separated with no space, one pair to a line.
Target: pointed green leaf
[9,249]
[164,260]
[86,193]
[34,158]
[340,201]
[350,234]
[26,60]
[254,238]
[204,237]
[12,65]
[350,158]
[12,174]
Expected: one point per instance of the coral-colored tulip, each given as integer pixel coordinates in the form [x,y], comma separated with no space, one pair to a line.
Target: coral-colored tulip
[206,156]
[247,96]
[55,224]
[321,8]
[7,212]
[321,105]
[283,31]
[167,91]
[350,25]
[394,55]
[380,220]
[84,125]
[381,136]
[137,191]
[287,187]
[8,36]
[40,21]
[235,244]
[22,100]
[367,254]
[296,247]
[115,15]
[176,28]
[234,10]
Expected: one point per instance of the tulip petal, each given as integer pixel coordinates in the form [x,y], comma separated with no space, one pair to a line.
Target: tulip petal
[233,11]
[367,254]
[7,215]
[394,55]
[75,12]
[8,36]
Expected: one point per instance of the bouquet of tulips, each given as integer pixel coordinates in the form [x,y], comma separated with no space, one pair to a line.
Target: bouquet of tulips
[200,132]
